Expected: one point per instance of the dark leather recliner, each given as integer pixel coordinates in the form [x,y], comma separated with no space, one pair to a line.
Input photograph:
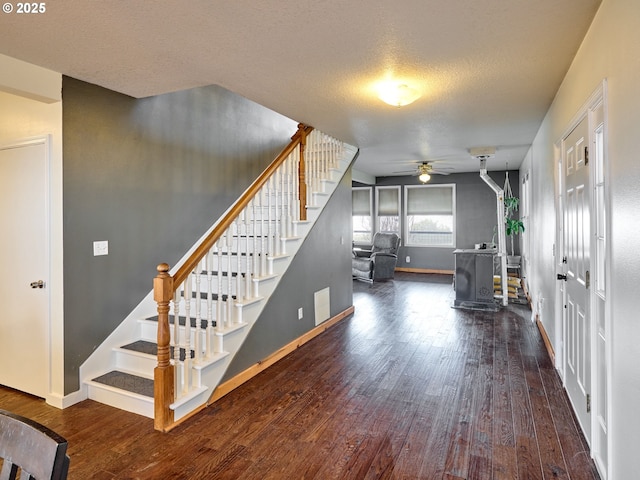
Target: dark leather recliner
[378,263]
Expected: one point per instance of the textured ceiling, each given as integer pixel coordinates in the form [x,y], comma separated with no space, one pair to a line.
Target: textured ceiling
[488,69]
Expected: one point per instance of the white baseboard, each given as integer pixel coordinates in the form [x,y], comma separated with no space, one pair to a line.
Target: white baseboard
[62,402]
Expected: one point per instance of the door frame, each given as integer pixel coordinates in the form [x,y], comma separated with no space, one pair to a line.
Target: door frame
[49,343]
[598,99]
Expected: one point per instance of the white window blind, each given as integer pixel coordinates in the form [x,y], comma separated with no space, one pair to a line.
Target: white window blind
[430,200]
[361,201]
[388,201]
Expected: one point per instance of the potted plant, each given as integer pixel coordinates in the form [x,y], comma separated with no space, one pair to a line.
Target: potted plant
[513,226]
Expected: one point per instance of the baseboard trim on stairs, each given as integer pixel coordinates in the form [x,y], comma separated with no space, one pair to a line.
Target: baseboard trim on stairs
[233,383]
[424,270]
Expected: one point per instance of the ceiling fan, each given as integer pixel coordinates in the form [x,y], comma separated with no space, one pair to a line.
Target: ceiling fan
[424,171]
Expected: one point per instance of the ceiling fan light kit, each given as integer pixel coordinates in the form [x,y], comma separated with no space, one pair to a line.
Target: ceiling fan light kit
[424,177]
[424,169]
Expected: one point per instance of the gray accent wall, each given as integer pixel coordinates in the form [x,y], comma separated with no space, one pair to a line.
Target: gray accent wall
[150,176]
[475,216]
[324,260]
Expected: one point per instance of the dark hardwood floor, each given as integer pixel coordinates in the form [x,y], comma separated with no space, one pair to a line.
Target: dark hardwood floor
[407,388]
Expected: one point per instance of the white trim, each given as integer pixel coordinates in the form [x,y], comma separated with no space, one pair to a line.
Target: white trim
[558,253]
[62,402]
[599,100]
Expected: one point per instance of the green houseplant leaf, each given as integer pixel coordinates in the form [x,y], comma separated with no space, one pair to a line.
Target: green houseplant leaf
[511,204]
[514,226]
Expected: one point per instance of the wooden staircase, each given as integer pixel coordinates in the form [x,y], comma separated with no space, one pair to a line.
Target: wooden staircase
[222,296]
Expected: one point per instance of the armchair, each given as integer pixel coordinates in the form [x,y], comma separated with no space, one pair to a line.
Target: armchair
[379,263]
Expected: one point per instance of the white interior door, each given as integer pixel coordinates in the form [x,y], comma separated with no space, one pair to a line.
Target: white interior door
[24,255]
[577,234]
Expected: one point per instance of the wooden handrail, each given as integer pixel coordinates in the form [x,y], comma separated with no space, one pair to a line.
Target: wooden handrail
[299,138]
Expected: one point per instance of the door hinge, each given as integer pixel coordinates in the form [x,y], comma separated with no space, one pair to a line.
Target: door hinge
[587,279]
[564,259]
[586,155]
[588,403]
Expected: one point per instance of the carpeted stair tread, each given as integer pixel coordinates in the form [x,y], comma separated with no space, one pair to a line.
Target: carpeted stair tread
[151,348]
[128,382]
[182,321]
[142,346]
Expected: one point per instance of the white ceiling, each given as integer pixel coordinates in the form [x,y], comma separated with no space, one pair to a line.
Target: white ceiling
[488,69]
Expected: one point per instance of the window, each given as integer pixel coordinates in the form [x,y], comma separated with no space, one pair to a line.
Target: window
[361,215]
[430,215]
[388,209]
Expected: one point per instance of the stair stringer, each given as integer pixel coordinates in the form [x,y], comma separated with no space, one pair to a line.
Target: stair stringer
[208,375]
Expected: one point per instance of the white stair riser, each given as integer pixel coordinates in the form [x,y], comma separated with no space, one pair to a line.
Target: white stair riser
[121,399]
[135,362]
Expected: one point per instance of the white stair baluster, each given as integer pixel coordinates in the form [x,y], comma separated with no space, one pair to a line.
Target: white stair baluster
[179,364]
[219,313]
[187,335]
[209,331]
[288,186]
[270,220]
[176,344]
[238,272]
[281,210]
[295,209]
[247,264]
[263,228]
[316,158]
[198,317]
[254,226]
[276,212]
[221,271]
[230,299]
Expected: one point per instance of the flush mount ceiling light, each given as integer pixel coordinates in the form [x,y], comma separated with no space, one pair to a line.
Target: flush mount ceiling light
[397,94]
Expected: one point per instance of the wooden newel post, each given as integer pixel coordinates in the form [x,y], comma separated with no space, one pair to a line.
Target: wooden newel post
[302,182]
[163,374]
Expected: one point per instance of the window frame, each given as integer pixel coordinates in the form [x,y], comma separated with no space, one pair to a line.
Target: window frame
[405,215]
[371,219]
[399,213]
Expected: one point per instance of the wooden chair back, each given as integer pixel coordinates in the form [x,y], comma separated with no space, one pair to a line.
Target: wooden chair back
[30,451]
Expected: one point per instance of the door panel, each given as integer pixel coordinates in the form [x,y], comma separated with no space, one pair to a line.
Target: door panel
[577,227]
[24,255]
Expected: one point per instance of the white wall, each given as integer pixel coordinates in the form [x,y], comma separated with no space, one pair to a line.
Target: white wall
[34,109]
[609,50]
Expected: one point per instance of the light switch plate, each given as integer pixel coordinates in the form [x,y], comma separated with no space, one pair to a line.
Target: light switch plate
[100,248]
